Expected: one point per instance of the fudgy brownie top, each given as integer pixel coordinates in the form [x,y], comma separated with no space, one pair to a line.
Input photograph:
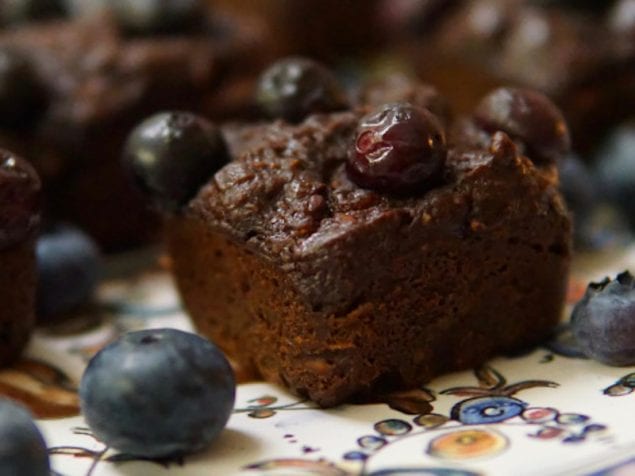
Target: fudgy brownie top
[19,199]
[288,196]
[286,191]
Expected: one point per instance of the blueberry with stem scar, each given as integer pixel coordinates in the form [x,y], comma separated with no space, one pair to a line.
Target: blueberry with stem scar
[400,149]
[160,393]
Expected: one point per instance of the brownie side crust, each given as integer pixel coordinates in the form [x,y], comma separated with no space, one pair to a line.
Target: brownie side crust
[335,291]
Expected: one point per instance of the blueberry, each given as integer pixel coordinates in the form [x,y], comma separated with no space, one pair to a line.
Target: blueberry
[158,16]
[604,227]
[529,118]
[69,268]
[578,185]
[603,321]
[171,155]
[295,87]
[22,97]
[158,393]
[22,448]
[400,148]
[20,189]
[580,189]
[22,11]
[615,166]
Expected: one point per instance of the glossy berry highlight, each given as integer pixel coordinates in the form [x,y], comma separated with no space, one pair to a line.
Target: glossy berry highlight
[160,393]
[171,155]
[400,149]
[603,322]
[295,87]
[529,118]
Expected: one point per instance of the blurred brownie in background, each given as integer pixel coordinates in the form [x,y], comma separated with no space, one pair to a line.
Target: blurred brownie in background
[74,81]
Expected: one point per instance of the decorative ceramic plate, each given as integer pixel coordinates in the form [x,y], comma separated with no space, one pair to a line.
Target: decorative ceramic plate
[548,412]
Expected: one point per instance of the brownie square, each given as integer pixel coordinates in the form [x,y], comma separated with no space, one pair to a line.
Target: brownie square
[339,292]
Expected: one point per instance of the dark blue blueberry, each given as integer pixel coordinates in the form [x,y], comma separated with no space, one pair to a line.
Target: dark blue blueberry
[616,169]
[158,393]
[603,321]
[578,185]
[22,11]
[158,16]
[597,223]
[480,410]
[22,97]
[605,227]
[69,268]
[529,118]
[172,154]
[295,87]
[400,148]
[22,449]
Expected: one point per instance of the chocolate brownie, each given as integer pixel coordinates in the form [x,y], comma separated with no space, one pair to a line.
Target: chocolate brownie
[95,79]
[19,221]
[337,290]
[582,54]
